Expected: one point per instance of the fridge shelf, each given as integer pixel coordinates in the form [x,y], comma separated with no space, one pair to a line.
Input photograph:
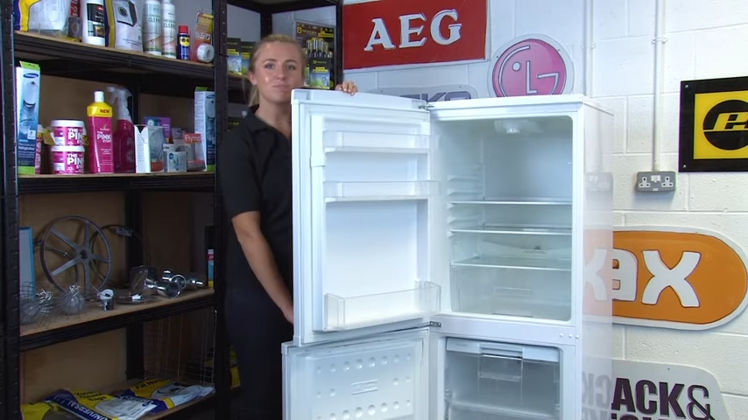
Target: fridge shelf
[344,313]
[515,230]
[380,191]
[515,263]
[373,150]
[407,143]
[513,202]
[473,411]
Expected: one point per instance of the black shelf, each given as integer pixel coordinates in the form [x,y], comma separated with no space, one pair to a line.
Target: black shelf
[114,322]
[279,6]
[48,184]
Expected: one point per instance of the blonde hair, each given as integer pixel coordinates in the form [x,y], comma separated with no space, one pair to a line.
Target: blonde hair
[254,93]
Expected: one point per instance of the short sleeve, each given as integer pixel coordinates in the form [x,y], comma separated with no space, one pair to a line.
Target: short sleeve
[237,177]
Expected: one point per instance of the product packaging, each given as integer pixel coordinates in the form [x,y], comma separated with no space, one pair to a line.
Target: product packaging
[124,135]
[234,53]
[97,406]
[67,160]
[192,145]
[100,149]
[164,122]
[67,132]
[126,32]
[175,160]
[44,411]
[166,394]
[247,49]
[149,149]
[46,17]
[152,28]
[93,18]
[169,29]
[203,34]
[38,155]
[28,80]
[205,125]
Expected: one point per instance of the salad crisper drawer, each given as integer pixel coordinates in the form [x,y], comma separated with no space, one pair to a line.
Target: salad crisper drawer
[498,381]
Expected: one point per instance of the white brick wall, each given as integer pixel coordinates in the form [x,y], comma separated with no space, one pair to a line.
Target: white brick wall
[705,39]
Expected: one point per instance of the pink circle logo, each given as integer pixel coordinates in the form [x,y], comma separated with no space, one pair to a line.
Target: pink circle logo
[531,66]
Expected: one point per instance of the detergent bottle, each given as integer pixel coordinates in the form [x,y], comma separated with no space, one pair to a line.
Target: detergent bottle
[124,135]
[100,136]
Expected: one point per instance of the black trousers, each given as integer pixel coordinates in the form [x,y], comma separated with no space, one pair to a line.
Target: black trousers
[256,329]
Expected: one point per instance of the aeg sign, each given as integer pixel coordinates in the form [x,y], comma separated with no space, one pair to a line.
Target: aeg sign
[714,125]
[390,33]
[685,279]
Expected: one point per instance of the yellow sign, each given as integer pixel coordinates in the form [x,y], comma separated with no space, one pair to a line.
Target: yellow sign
[721,125]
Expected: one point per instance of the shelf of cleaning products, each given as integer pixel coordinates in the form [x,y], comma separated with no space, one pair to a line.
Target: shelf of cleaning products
[63,58]
[94,320]
[279,6]
[48,184]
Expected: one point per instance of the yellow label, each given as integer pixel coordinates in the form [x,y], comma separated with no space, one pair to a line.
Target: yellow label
[721,125]
[35,411]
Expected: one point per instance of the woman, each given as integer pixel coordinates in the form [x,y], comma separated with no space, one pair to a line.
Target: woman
[255,179]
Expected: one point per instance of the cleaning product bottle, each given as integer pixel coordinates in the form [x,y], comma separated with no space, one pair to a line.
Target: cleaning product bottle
[169,31]
[100,150]
[123,139]
[93,18]
[152,43]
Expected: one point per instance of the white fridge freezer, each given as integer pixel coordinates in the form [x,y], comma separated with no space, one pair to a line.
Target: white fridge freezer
[451,260]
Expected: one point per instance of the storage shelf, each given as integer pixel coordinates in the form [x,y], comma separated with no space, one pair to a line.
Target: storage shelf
[514,202]
[344,313]
[355,149]
[279,6]
[515,230]
[375,141]
[46,184]
[380,191]
[516,263]
[95,321]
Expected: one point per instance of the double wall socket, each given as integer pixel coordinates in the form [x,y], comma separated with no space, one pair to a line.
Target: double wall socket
[655,181]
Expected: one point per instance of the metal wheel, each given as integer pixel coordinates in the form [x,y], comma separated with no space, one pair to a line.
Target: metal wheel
[124,232]
[82,253]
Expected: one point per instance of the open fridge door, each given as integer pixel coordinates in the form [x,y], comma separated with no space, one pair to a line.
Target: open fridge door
[383,377]
[363,203]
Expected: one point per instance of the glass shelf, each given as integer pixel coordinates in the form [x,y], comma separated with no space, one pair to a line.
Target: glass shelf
[516,263]
[380,191]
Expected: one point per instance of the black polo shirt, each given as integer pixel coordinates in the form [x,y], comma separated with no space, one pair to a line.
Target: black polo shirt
[254,174]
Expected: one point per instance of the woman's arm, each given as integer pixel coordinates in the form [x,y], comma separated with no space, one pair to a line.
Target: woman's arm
[242,197]
[261,260]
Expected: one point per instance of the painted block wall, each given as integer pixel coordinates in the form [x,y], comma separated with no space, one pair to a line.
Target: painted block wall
[705,39]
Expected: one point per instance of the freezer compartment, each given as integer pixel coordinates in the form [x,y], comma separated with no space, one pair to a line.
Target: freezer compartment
[343,313]
[376,379]
[497,381]
[380,191]
[511,291]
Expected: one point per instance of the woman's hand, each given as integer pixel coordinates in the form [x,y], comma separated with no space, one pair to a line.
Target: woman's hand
[347,87]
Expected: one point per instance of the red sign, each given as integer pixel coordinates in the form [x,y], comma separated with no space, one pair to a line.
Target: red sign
[398,32]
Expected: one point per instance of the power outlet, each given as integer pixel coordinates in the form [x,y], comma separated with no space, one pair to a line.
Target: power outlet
[655,181]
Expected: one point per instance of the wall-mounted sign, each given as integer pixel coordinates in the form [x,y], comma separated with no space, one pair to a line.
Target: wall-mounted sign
[531,65]
[432,94]
[652,391]
[714,125]
[678,278]
[409,32]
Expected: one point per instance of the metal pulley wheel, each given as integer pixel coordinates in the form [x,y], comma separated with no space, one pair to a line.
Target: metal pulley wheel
[92,248]
[122,232]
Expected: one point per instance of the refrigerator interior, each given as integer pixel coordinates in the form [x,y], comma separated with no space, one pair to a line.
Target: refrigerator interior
[378,196]
[508,187]
[496,381]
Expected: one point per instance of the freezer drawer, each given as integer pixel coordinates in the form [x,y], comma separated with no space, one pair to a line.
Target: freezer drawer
[496,381]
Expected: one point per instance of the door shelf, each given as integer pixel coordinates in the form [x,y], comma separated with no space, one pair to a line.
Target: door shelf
[515,263]
[380,191]
[346,313]
[374,141]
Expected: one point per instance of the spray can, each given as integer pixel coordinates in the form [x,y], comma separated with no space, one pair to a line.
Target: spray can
[169,34]
[152,28]
[183,52]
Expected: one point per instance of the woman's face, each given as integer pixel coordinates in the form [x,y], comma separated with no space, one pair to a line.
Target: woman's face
[277,72]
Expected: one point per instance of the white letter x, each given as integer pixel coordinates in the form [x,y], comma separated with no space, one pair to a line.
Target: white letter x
[663,277]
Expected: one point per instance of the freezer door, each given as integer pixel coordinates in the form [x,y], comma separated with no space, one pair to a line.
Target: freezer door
[384,377]
[363,198]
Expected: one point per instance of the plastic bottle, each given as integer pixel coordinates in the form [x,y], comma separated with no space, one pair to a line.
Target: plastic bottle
[169,25]
[183,53]
[123,140]
[100,149]
[152,27]
[93,19]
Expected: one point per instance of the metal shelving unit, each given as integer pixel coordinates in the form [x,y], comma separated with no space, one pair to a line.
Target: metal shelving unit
[141,74]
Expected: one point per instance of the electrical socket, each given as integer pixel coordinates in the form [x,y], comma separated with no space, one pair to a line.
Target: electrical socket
[655,181]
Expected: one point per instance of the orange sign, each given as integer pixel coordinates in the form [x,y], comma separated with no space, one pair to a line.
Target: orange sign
[678,278]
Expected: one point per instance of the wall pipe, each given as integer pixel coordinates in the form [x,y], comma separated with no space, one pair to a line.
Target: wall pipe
[659,59]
